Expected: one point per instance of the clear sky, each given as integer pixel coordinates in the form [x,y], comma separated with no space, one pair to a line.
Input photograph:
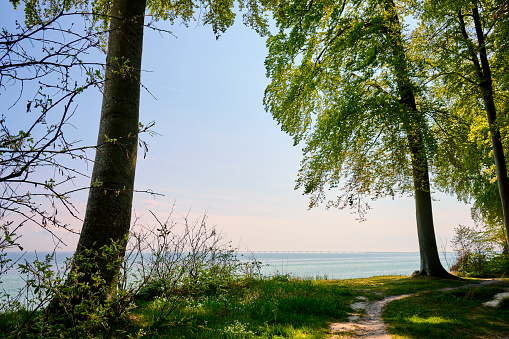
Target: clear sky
[219,152]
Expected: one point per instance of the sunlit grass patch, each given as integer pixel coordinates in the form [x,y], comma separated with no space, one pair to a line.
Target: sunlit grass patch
[379,287]
[429,320]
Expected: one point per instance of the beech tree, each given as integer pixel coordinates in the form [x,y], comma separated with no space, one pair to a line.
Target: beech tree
[108,214]
[343,83]
[465,51]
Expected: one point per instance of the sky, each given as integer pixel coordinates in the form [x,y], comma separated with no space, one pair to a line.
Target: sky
[218,152]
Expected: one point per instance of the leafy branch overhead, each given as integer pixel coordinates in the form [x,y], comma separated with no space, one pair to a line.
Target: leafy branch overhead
[334,88]
[344,82]
[218,14]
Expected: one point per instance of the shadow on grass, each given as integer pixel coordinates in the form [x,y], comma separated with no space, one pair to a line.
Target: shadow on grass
[452,314]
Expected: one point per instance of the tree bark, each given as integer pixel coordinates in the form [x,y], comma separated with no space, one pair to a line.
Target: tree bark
[486,85]
[108,214]
[430,260]
[412,121]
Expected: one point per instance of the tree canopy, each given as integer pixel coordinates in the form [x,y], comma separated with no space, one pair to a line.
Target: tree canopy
[464,52]
[333,87]
[344,83]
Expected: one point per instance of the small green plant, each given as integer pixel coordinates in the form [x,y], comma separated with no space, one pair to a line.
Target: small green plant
[64,303]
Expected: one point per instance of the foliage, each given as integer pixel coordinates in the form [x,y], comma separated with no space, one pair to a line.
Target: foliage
[343,83]
[188,257]
[461,59]
[219,14]
[477,254]
[194,262]
[334,86]
[75,317]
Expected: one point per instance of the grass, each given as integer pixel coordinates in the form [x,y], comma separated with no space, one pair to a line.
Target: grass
[376,288]
[266,308]
[275,308]
[449,314]
[280,307]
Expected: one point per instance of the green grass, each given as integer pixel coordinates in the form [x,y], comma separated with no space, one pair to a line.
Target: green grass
[276,308]
[292,308]
[269,308]
[379,287]
[452,314]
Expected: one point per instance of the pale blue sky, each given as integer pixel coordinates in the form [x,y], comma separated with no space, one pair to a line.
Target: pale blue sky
[220,152]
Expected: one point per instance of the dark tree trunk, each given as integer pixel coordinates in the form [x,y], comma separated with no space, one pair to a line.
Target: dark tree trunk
[108,213]
[430,261]
[485,83]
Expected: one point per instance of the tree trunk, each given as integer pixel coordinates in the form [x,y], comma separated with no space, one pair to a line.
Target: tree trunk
[412,121]
[486,85]
[430,260]
[108,214]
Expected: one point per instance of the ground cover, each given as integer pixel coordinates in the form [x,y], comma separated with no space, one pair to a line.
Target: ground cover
[449,314]
[277,307]
[264,308]
[375,288]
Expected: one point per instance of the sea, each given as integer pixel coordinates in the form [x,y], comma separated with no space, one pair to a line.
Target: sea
[307,265]
[342,265]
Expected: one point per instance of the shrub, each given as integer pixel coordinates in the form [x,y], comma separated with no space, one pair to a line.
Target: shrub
[160,263]
[476,254]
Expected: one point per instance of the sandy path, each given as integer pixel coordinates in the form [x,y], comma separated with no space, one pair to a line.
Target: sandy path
[371,325]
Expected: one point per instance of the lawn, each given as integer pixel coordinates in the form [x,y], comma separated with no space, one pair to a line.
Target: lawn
[449,314]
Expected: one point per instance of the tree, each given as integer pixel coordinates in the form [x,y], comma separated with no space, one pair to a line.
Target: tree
[108,215]
[343,82]
[466,52]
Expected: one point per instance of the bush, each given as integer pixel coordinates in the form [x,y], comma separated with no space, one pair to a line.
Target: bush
[482,266]
[161,264]
[472,265]
[500,265]
[476,255]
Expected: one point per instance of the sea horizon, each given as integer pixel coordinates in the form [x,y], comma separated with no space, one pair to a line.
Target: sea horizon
[295,264]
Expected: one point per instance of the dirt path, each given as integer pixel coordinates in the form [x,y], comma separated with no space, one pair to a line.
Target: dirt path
[371,325]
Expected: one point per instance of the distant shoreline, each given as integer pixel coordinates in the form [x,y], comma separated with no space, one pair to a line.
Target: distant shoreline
[325,252]
[244,251]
